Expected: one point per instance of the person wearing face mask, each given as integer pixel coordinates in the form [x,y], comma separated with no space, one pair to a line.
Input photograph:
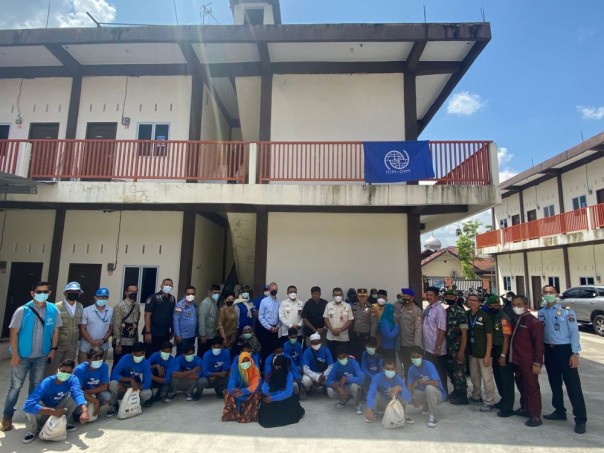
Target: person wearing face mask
[290,314]
[410,320]
[385,386]
[268,316]
[373,296]
[246,347]
[316,364]
[58,395]
[293,347]
[247,310]
[526,356]
[94,381]
[161,362]
[389,330]
[243,397]
[280,405]
[228,320]
[345,380]
[562,349]
[502,370]
[215,368]
[295,371]
[132,371]
[338,319]
[206,321]
[457,340]
[125,319]
[185,375]
[71,312]
[265,293]
[185,321]
[371,360]
[434,330]
[425,386]
[159,312]
[365,323]
[312,315]
[247,337]
[34,335]
[380,302]
[507,306]
[95,328]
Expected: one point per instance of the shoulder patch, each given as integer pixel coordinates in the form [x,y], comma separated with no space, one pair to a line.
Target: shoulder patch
[568,308]
[571,319]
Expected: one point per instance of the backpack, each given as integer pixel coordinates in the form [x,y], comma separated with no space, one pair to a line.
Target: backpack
[55,429]
[394,416]
[130,405]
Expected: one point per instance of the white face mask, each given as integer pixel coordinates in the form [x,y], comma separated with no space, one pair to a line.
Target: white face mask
[518,310]
[337,299]
[381,301]
[166,289]
[190,297]
[266,293]
[316,347]
[245,295]
[292,296]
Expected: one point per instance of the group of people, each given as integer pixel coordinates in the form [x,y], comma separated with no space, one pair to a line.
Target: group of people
[262,356]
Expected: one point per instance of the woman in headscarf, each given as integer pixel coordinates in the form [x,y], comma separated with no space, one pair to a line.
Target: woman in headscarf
[389,333]
[243,395]
[280,406]
[247,309]
[228,320]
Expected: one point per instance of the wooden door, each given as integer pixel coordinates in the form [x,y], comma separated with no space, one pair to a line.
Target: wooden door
[44,155]
[99,157]
[89,278]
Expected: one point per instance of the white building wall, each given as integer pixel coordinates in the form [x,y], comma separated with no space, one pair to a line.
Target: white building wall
[213,124]
[162,99]
[445,265]
[248,102]
[540,196]
[41,101]
[586,261]
[509,207]
[330,250]
[340,107]
[147,239]
[511,265]
[584,180]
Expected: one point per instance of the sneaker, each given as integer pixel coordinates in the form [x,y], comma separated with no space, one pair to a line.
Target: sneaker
[533,422]
[458,400]
[167,400]
[431,421]
[425,410]
[188,398]
[196,397]
[475,400]
[487,408]
[341,404]
[359,410]
[111,412]
[555,416]
[29,437]
[409,421]
[7,424]
[70,428]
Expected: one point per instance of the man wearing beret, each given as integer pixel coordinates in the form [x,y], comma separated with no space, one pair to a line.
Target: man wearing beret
[410,319]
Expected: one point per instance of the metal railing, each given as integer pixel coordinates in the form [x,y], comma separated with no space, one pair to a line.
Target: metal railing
[9,155]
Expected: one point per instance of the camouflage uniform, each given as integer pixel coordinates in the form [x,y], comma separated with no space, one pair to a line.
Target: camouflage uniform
[457,319]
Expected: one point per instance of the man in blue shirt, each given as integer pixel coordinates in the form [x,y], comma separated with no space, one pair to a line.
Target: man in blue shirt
[133,370]
[185,321]
[316,363]
[562,348]
[161,362]
[293,347]
[58,395]
[268,318]
[345,380]
[185,375]
[94,380]
[371,360]
[215,368]
[424,384]
[385,386]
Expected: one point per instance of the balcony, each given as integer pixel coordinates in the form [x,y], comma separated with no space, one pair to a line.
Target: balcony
[455,162]
[580,225]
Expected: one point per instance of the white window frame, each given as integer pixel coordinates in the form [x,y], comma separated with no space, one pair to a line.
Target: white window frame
[507,283]
[586,281]
[140,277]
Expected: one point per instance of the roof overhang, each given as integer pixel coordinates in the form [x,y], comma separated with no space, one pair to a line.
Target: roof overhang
[438,55]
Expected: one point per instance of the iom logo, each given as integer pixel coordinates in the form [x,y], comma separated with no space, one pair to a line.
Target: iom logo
[396,162]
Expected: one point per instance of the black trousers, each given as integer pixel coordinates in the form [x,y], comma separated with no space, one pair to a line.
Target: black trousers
[333,346]
[504,379]
[557,364]
[359,342]
[405,356]
[117,357]
[440,362]
[202,348]
[268,341]
[155,345]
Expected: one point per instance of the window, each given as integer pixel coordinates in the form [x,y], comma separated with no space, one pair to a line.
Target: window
[507,283]
[586,280]
[152,131]
[548,211]
[580,202]
[144,277]
[531,215]
[555,282]
[4,128]
[253,16]
[503,223]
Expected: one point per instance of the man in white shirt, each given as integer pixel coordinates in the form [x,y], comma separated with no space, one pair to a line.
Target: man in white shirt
[290,313]
[95,329]
[338,319]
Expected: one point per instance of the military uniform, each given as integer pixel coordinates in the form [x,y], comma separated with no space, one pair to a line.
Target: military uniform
[504,375]
[457,320]
[561,335]
[365,324]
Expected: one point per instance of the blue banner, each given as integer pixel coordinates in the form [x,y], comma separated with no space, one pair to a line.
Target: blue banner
[390,162]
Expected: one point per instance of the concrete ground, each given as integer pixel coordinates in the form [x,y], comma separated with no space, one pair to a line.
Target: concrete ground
[196,426]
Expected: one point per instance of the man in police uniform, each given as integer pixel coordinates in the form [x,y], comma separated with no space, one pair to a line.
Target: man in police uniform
[562,358]
[365,323]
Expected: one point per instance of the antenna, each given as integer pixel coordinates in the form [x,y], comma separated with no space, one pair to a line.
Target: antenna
[98,24]
[206,11]
[425,15]
[48,13]
[482,13]
[175,11]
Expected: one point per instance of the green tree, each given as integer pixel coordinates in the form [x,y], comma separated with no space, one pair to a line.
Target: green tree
[466,247]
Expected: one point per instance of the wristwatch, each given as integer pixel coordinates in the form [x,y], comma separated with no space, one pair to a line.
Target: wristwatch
[55,348]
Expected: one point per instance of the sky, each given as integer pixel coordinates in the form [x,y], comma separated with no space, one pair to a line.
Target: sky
[536,90]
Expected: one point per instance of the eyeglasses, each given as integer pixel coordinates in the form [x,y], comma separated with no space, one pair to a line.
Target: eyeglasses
[42,292]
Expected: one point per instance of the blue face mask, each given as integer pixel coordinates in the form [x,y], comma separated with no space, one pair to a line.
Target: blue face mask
[344,361]
[101,302]
[96,364]
[189,358]
[389,373]
[216,351]
[40,297]
[216,296]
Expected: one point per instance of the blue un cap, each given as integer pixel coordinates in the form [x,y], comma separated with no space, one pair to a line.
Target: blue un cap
[72,286]
[102,292]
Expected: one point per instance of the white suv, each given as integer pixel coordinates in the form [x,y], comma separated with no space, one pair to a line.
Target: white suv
[588,304]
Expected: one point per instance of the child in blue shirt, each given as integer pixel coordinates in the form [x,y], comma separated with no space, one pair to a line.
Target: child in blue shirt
[161,361]
[94,381]
[293,348]
[386,385]
[133,370]
[425,385]
[185,374]
[371,361]
[345,380]
[215,368]
[316,363]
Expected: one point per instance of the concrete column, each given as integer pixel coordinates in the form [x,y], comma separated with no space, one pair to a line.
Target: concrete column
[414,254]
[252,163]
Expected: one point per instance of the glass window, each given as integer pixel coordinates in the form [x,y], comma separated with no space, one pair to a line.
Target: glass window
[153,131]
[586,280]
[507,283]
[549,211]
[580,202]
[145,277]
[4,128]
[555,282]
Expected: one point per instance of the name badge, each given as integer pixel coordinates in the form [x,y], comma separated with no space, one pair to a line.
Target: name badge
[557,327]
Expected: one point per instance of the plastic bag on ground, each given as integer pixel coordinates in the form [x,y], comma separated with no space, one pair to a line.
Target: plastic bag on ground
[394,416]
[130,405]
[55,429]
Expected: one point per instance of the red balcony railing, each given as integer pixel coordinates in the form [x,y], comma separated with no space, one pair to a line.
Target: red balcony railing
[139,159]
[9,153]
[597,215]
[488,239]
[460,163]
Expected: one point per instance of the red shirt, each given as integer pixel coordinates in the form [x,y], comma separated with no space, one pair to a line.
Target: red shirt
[527,346]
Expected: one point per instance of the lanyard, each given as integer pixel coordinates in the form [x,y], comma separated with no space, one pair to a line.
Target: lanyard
[473,321]
[104,318]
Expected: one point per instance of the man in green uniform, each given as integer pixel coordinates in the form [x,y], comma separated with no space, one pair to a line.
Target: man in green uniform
[456,338]
[481,343]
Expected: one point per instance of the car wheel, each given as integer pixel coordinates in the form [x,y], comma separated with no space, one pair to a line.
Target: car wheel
[599,325]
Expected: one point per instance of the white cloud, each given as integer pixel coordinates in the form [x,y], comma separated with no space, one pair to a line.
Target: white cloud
[591,113]
[464,104]
[504,157]
[63,13]
[448,234]
[506,174]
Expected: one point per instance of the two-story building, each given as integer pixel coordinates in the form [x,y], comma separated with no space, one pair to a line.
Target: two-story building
[203,152]
[548,227]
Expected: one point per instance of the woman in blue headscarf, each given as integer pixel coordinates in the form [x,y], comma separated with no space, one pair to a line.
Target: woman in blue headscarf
[389,333]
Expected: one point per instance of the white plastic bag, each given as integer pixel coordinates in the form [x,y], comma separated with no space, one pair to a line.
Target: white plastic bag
[55,429]
[130,405]
[90,411]
[394,416]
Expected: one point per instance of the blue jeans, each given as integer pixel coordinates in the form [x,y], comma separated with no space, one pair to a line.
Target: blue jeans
[35,367]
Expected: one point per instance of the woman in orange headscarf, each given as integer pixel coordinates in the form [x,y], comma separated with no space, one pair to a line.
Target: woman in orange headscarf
[243,397]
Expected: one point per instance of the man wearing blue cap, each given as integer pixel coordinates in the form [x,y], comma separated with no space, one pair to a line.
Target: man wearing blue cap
[95,328]
[71,312]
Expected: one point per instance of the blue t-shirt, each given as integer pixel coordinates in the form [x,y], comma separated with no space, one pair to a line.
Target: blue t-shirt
[50,394]
[352,369]
[127,367]
[216,363]
[294,351]
[380,383]
[323,356]
[426,371]
[181,364]
[91,378]
[371,364]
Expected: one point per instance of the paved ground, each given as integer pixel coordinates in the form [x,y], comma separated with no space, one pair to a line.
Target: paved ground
[196,426]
